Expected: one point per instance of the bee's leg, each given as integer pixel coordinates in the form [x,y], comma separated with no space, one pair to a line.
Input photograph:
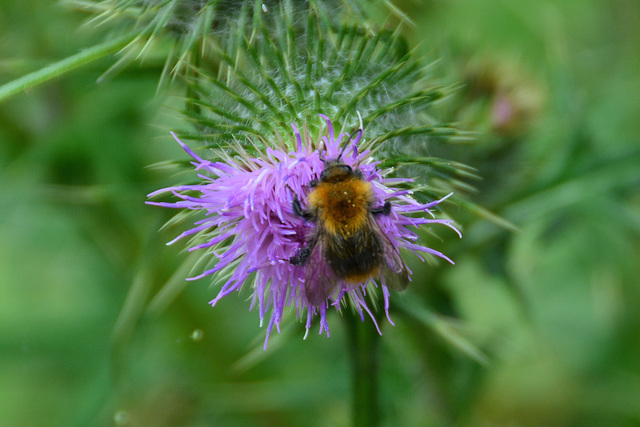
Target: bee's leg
[385,209]
[301,257]
[297,209]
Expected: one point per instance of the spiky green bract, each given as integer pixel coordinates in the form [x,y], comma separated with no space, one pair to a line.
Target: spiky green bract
[185,25]
[279,77]
[291,65]
[254,67]
[191,27]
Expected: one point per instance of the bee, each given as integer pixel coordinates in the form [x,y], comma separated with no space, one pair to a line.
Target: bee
[347,245]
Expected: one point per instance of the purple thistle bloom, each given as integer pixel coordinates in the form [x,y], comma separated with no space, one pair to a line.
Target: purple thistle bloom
[253,231]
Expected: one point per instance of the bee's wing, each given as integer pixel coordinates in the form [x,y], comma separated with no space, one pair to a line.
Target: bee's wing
[319,279]
[394,270]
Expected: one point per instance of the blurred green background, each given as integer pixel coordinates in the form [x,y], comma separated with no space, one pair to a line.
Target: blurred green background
[552,88]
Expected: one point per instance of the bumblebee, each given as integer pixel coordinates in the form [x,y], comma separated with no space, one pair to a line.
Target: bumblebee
[347,245]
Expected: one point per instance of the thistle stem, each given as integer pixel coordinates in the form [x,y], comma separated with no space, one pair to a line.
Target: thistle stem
[56,69]
[364,341]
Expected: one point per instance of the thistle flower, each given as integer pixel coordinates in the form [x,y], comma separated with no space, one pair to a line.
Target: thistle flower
[252,230]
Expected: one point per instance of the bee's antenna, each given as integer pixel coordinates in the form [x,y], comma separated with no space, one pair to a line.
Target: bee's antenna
[290,189]
[355,140]
[322,159]
[342,151]
[320,145]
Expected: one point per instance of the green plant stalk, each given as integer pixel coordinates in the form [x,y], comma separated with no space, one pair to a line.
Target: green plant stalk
[364,344]
[59,68]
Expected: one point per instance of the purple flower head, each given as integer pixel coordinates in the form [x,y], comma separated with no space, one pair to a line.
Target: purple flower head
[254,232]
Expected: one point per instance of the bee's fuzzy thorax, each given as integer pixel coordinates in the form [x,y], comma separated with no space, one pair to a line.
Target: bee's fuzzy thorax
[342,206]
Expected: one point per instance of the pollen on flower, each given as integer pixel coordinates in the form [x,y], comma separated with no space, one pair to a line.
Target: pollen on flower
[252,228]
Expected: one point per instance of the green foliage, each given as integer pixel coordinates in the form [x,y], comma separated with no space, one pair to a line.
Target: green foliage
[549,310]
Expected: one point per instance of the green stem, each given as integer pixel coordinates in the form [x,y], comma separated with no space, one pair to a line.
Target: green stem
[56,69]
[364,342]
